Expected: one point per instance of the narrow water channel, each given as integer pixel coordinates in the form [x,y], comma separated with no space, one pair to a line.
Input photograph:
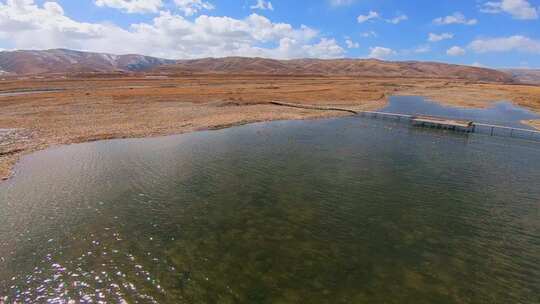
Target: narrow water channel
[500,113]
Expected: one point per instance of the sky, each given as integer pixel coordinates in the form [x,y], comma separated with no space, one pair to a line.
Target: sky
[490,33]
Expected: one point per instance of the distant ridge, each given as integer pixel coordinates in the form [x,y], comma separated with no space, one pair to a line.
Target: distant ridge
[65,61]
[336,67]
[528,76]
[68,61]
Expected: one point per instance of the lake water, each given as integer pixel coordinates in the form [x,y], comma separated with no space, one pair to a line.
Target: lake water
[347,210]
[500,113]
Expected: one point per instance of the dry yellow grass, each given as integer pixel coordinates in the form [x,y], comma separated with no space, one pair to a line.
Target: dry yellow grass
[477,94]
[101,108]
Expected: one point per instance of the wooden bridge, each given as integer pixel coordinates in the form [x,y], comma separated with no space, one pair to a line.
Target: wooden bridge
[465,126]
[443,123]
[457,125]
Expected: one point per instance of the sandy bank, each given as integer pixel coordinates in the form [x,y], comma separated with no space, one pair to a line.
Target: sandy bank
[533,123]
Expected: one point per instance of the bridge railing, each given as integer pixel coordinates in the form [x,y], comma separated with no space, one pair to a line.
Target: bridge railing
[403,117]
[487,129]
[480,128]
[494,130]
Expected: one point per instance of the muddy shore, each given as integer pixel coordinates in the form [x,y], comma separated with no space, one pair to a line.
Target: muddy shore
[92,109]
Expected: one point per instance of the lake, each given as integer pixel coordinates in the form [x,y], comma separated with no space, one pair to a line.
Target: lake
[344,210]
[500,113]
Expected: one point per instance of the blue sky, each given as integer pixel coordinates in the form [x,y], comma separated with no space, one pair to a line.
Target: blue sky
[492,33]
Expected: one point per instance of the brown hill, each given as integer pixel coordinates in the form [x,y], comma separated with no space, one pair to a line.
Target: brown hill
[529,76]
[336,67]
[68,61]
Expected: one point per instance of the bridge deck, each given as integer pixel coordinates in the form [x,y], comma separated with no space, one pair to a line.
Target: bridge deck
[442,122]
[433,122]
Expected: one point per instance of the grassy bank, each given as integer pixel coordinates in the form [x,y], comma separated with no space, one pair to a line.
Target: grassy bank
[96,108]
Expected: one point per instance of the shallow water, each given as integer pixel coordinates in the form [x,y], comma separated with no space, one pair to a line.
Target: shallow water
[347,210]
[501,113]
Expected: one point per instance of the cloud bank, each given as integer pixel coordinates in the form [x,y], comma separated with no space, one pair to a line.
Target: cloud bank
[506,44]
[518,9]
[27,25]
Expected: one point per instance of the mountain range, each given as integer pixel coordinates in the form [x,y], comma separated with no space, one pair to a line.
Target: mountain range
[63,61]
[527,76]
[69,61]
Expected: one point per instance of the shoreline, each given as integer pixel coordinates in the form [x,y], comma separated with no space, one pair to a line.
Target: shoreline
[535,123]
[13,157]
[89,109]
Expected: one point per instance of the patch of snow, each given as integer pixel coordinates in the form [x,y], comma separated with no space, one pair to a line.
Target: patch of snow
[112,59]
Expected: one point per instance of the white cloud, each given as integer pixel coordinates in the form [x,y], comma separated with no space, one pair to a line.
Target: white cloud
[370,16]
[398,19]
[455,51]
[456,18]
[519,9]
[439,37]
[326,48]
[373,15]
[54,8]
[351,44]
[506,44]
[368,34]
[130,6]
[263,5]
[341,2]
[31,26]
[379,52]
[192,7]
